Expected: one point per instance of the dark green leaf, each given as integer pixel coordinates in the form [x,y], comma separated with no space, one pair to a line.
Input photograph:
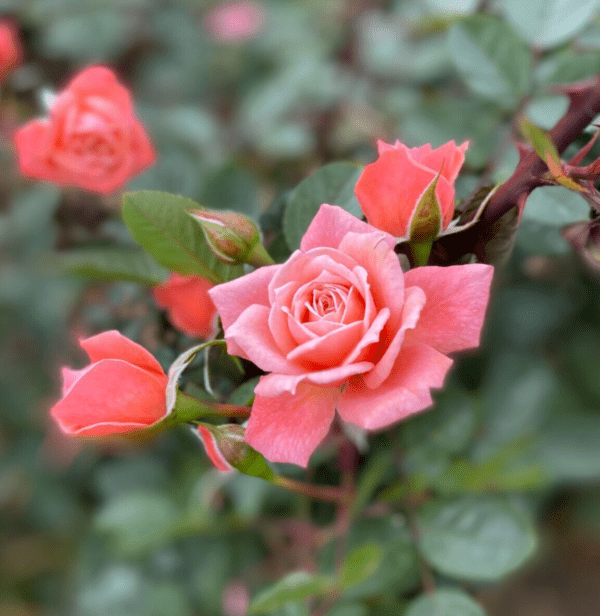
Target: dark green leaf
[113,264]
[160,224]
[332,184]
[546,23]
[491,58]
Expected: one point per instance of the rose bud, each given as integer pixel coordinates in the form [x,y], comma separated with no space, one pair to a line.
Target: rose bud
[233,237]
[122,390]
[393,191]
[340,328]
[11,52]
[227,450]
[190,308]
[90,139]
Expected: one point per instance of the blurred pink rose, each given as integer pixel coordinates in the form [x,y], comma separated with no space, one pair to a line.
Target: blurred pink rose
[340,326]
[189,306]
[235,21]
[390,189]
[11,52]
[122,390]
[91,137]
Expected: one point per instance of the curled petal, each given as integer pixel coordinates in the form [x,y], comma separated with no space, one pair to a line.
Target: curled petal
[113,345]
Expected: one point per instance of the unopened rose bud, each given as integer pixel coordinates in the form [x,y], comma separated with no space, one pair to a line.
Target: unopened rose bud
[231,236]
[227,450]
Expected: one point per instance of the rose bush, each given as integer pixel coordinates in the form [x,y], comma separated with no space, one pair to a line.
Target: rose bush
[122,390]
[390,189]
[91,138]
[339,325]
[190,308]
[10,49]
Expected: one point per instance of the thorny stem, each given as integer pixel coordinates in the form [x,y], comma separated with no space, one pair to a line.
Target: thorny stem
[583,107]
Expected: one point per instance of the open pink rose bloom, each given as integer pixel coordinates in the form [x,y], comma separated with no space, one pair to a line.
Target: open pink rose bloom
[11,52]
[122,390]
[390,189]
[340,326]
[189,306]
[90,139]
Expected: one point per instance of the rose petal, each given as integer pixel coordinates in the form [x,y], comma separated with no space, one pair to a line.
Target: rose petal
[232,298]
[448,158]
[112,396]
[413,304]
[212,450]
[275,384]
[251,336]
[385,275]
[331,224]
[288,428]
[418,368]
[389,189]
[328,350]
[457,298]
[113,345]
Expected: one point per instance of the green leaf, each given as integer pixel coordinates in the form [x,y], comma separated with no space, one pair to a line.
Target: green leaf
[159,222]
[541,142]
[479,539]
[491,58]
[348,609]
[112,264]
[360,564]
[294,587]
[567,66]
[546,23]
[332,184]
[444,602]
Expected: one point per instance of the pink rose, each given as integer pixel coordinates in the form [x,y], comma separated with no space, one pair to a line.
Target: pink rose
[122,390]
[11,52]
[233,22]
[340,326]
[189,306]
[390,189]
[91,138]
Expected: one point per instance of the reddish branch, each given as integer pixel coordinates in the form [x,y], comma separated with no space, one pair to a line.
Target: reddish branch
[583,107]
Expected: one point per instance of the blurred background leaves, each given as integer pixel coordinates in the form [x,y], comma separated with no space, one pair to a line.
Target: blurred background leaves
[508,459]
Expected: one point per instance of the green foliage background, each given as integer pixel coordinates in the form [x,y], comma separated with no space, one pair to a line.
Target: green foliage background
[467,489]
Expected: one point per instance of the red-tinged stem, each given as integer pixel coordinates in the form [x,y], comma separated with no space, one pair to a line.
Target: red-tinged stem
[583,107]
[231,410]
[318,492]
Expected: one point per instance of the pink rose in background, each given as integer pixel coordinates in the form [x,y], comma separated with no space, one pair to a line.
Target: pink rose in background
[91,138]
[11,52]
[190,308]
[122,390]
[339,325]
[234,22]
[390,189]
